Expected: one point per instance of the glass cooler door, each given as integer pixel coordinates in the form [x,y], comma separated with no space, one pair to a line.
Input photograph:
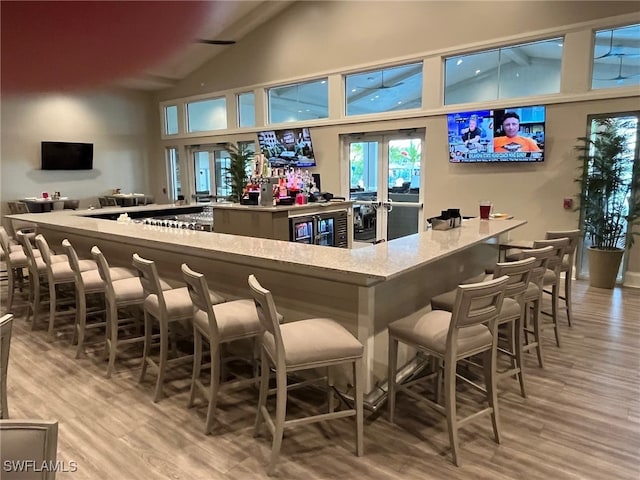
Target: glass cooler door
[302,230]
[325,233]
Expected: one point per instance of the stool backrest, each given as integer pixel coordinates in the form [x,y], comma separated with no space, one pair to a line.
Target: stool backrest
[559,245]
[31,440]
[104,272]
[199,293]
[6,322]
[519,274]
[149,278]
[27,248]
[574,237]
[74,262]
[267,312]
[43,246]
[478,303]
[541,257]
[5,242]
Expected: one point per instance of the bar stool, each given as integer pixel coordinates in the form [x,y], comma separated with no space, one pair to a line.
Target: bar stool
[218,324]
[87,283]
[167,306]
[15,260]
[566,267]
[126,293]
[37,273]
[551,278]
[470,329]
[533,301]
[303,345]
[58,273]
[511,315]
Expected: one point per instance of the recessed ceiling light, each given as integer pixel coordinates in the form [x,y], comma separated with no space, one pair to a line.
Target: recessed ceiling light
[560,44]
[354,90]
[477,72]
[459,61]
[323,82]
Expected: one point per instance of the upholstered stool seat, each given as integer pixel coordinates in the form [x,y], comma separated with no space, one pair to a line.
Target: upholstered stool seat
[314,341]
[237,317]
[430,332]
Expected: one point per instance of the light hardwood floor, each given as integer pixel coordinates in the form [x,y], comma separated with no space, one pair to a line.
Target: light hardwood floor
[581,420]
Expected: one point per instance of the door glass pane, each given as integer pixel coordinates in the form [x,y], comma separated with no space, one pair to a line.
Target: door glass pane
[202,171]
[405,158]
[363,186]
[173,167]
[222,160]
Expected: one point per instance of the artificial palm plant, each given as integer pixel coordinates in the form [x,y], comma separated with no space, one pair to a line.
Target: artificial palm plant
[609,200]
[240,156]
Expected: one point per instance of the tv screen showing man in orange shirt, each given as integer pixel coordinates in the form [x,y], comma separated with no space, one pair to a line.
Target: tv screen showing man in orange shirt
[512,142]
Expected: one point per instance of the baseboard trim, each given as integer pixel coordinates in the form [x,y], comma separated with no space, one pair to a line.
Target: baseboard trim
[631,279]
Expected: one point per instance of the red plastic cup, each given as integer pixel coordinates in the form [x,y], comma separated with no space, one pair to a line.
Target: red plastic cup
[45,195]
[485,209]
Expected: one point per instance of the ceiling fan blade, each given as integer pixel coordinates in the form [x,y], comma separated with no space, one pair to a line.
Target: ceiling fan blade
[215,42]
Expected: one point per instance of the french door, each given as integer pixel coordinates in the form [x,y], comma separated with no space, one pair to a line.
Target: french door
[628,124]
[210,163]
[384,182]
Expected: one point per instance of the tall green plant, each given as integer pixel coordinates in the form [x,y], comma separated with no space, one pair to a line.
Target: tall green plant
[607,200]
[236,174]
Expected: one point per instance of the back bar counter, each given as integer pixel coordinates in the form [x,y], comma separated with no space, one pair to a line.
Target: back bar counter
[364,288]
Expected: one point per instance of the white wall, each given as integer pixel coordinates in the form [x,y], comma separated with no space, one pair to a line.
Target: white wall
[116,122]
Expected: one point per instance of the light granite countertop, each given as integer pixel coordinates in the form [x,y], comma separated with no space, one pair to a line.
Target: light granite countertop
[361,266]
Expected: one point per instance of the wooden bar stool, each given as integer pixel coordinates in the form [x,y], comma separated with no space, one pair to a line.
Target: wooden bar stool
[87,283]
[168,307]
[303,345]
[217,324]
[470,329]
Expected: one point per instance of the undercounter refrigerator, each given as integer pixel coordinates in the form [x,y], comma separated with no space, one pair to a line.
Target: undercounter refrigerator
[328,229]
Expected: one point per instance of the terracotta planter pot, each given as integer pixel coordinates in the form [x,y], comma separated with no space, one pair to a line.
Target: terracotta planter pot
[604,266]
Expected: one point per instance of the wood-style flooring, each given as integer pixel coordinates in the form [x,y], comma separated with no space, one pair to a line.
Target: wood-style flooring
[581,419]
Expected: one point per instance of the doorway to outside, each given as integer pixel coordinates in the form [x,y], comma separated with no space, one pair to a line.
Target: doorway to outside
[628,124]
[385,184]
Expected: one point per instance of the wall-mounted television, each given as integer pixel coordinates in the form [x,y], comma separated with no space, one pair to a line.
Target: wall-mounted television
[287,147]
[499,135]
[67,156]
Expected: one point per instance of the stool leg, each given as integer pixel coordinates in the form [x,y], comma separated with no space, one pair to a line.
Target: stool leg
[52,308]
[450,406]
[330,395]
[393,362]
[214,386]
[148,327]
[10,286]
[489,364]
[554,312]
[517,350]
[111,344]
[359,401]
[536,331]
[197,365]
[81,323]
[567,296]
[264,390]
[164,352]
[281,410]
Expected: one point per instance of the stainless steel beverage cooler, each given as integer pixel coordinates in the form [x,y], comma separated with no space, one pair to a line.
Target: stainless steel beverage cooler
[328,229]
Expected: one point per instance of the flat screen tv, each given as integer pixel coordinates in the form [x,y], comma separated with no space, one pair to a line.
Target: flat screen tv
[499,135]
[287,147]
[67,156]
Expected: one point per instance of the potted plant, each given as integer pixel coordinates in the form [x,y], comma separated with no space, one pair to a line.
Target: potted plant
[236,174]
[609,198]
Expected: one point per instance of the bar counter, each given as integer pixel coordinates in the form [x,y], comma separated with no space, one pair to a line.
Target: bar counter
[364,289]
